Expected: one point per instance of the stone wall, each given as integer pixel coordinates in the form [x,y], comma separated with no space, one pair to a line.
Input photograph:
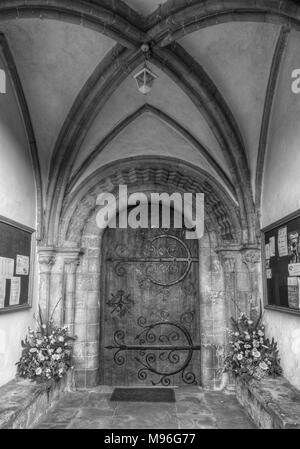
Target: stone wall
[18,203]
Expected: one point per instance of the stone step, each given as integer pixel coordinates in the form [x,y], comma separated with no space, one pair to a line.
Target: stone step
[272,403]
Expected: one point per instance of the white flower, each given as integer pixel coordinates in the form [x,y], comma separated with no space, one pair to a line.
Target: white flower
[263,366]
[32,350]
[256,354]
[39,342]
[44,326]
[240,357]
[38,371]
[59,350]
[61,339]
[261,333]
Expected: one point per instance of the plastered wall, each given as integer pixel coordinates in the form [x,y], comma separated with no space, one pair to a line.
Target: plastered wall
[17,202]
[281,195]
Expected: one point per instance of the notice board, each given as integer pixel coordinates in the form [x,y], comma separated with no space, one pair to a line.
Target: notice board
[16,251]
[281,264]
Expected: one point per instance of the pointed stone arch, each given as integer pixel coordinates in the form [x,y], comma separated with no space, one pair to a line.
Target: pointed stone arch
[165,118]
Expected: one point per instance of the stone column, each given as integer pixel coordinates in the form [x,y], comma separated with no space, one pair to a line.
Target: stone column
[46,262]
[241,274]
[212,314]
[230,262]
[252,259]
[70,267]
[238,283]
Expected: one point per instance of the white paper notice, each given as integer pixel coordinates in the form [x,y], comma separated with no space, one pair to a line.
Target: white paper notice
[267,249]
[282,242]
[7,267]
[269,273]
[272,246]
[292,281]
[22,265]
[15,288]
[2,291]
[294,269]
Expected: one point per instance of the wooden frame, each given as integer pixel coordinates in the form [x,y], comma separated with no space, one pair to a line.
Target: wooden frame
[277,224]
[32,232]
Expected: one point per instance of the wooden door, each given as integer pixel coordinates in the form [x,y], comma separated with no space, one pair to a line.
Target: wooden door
[150,308]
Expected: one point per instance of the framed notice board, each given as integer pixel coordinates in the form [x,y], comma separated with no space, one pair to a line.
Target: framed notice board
[16,262]
[281,264]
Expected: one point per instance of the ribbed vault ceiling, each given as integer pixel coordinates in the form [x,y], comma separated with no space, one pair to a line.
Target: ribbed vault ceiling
[218,64]
[144,7]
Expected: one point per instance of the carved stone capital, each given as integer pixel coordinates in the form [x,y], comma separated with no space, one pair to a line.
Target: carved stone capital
[46,260]
[228,259]
[71,264]
[251,258]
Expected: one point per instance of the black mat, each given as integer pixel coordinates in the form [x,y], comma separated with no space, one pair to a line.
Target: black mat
[143,395]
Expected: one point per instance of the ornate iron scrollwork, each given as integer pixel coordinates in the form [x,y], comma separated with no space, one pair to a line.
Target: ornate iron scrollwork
[120,303]
[164,349]
[172,261]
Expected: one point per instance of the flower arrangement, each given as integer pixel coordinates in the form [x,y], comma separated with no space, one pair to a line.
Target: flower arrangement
[251,355]
[46,354]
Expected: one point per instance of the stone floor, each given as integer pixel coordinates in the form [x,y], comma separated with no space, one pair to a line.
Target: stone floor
[193,409]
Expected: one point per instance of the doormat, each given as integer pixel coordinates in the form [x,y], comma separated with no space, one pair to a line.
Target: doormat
[143,395]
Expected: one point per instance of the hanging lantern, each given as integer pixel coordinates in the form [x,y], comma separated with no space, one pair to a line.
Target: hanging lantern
[145,79]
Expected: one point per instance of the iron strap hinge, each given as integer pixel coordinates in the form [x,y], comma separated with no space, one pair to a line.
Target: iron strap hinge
[155,347]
